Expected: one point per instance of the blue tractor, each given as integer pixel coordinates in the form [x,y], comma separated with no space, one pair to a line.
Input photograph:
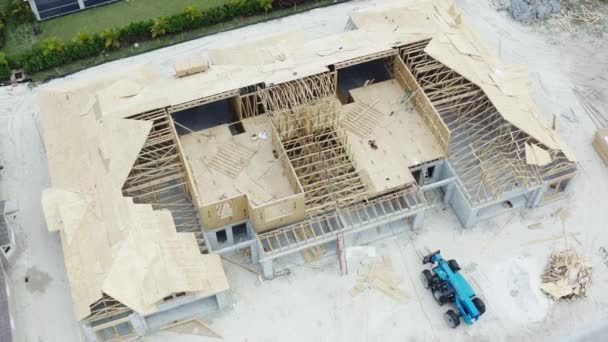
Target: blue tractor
[449,286]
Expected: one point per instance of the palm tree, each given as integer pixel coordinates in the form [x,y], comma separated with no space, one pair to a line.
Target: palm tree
[82,38]
[193,12]
[266,5]
[160,27]
[3,61]
[21,11]
[5,70]
[51,45]
[111,38]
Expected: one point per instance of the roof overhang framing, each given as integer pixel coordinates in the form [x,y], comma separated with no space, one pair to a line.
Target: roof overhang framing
[487,151]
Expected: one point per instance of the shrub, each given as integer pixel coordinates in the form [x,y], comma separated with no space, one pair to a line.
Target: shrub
[160,27]
[193,13]
[178,23]
[85,45]
[52,52]
[111,38]
[51,46]
[136,31]
[82,38]
[5,70]
[265,5]
[2,27]
[21,12]
[247,7]
[286,3]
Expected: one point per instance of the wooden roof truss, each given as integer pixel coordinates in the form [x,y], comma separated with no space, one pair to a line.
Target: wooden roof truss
[486,151]
[319,229]
[159,176]
[305,118]
[107,309]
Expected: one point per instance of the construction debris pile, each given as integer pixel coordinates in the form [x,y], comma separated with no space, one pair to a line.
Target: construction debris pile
[567,275]
[600,143]
[528,10]
[382,277]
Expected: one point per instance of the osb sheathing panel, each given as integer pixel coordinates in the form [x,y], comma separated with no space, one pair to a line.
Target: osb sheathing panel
[290,210]
[216,215]
[110,244]
[242,209]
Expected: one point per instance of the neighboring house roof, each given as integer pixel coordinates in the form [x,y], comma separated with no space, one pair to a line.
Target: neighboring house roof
[5,235]
[53,8]
[111,245]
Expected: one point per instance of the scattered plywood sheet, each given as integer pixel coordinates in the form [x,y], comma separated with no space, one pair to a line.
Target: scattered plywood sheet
[313,253]
[121,142]
[382,277]
[542,156]
[191,66]
[192,327]
[536,155]
[126,88]
[463,45]
[567,275]
[232,158]
[510,80]
[536,226]
[53,200]
[267,50]
[362,119]
[600,143]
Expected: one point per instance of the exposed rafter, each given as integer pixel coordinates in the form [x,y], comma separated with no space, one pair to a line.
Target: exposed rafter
[486,151]
[159,176]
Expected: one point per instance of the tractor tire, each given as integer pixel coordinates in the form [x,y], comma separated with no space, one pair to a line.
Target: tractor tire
[480,305]
[454,265]
[427,279]
[451,318]
[439,298]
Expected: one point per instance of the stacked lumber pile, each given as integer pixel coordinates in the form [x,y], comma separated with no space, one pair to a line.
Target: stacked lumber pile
[191,66]
[600,142]
[380,276]
[567,275]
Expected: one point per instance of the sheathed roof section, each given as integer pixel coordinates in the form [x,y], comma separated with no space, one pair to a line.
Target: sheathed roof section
[112,245]
[455,44]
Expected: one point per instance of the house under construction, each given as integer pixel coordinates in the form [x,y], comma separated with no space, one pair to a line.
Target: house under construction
[281,146]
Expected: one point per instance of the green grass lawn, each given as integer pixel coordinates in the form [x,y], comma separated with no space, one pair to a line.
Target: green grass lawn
[117,15]
[169,40]
[19,38]
[93,20]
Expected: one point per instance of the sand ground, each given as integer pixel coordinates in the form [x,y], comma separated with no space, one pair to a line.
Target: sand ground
[501,256]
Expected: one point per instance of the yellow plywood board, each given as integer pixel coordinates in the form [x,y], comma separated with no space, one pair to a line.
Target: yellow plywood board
[289,56]
[262,177]
[402,138]
[192,327]
[90,147]
[191,66]
[109,243]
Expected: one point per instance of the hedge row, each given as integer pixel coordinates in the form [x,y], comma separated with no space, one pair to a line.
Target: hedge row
[2,27]
[5,71]
[52,52]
